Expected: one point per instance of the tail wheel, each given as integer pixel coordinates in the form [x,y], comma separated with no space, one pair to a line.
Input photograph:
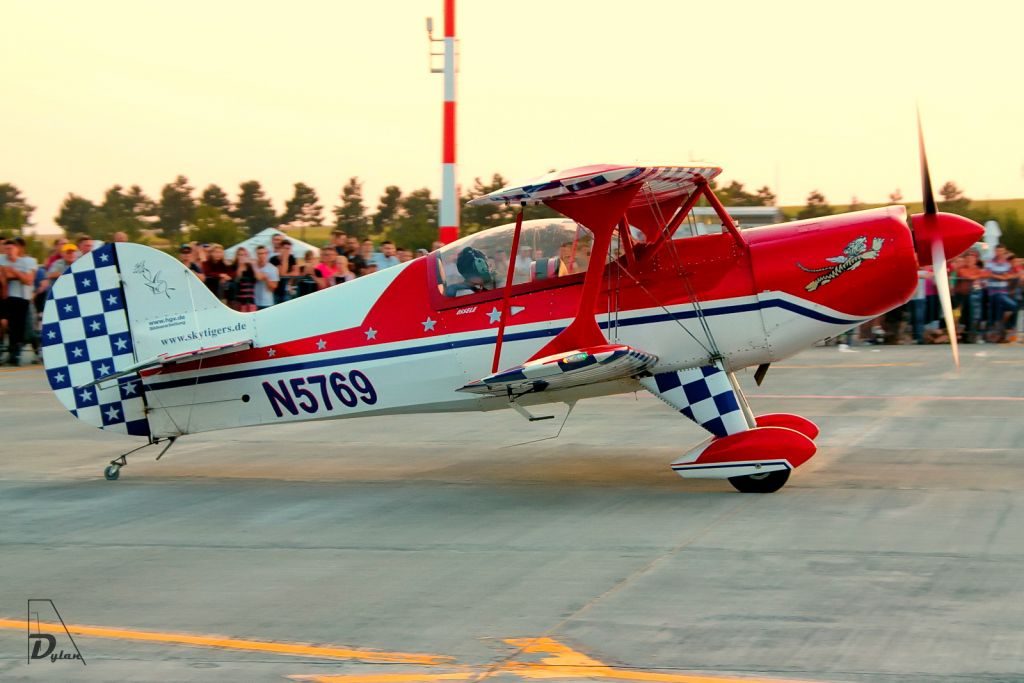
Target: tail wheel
[769,482]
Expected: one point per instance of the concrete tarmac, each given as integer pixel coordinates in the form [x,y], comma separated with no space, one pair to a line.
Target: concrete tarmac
[425,548]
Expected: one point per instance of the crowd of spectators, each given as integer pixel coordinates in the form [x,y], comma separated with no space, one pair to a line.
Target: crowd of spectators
[250,282]
[272,274]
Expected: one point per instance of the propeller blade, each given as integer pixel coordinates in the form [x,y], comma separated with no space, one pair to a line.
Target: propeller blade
[942,284]
[926,178]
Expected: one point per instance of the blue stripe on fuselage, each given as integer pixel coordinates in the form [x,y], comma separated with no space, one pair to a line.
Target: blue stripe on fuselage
[489,339]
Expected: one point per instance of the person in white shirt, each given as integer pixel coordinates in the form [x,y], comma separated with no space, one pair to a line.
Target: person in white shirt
[20,271]
[267,279]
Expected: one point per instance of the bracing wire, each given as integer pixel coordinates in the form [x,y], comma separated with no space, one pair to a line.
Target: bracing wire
[691,292]
[663,307]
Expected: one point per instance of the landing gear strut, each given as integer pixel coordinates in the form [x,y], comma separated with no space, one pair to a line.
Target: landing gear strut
[113,471]
[769,482]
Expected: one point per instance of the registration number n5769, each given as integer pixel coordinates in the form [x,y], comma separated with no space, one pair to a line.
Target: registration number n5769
[320,393]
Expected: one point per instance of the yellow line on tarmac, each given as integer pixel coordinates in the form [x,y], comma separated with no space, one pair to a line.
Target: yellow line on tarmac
[300,649]
[562,663]
[387,678]
[846,365]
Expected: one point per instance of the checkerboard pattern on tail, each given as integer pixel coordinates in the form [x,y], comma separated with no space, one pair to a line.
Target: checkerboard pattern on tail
[702,394]
[85,337]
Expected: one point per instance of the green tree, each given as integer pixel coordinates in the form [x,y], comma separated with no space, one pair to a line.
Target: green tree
[388,209]
[733,194]
[416,225]
[303,209]
[74,214]
[216,227]
[15,211]
[765,196]
[216,198]
[142,206]
[176,209]
[350,215]
[115,214]
[953,199]
[816,206]
[253,208]
[477,218]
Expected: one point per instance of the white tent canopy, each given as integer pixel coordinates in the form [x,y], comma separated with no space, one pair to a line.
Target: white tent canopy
[263,238]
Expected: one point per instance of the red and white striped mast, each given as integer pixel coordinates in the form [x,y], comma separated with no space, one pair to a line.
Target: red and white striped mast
[448,222]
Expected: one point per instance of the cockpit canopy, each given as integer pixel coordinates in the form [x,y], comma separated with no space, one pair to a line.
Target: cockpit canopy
[548,248]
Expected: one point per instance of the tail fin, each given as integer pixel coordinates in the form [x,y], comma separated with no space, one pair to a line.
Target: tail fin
[118,310]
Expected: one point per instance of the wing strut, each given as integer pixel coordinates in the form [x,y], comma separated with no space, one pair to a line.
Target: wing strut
[668,230]
[601,215]
[508,291]
[727,222]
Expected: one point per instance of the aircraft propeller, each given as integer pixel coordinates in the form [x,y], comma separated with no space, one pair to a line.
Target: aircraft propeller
[938,250]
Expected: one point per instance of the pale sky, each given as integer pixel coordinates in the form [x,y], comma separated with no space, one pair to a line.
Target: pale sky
[799,95]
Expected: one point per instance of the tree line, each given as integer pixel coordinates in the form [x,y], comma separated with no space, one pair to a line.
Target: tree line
[408,219]
[213,215]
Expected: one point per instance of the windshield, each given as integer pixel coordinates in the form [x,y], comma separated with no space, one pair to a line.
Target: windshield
[548,248]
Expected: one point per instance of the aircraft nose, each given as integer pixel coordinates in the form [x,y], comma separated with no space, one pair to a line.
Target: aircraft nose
[958,234]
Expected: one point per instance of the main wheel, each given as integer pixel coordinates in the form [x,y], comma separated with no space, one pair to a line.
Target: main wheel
[112,472]
[769,482]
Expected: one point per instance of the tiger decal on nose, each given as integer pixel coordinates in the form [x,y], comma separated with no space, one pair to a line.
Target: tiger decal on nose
[855,253]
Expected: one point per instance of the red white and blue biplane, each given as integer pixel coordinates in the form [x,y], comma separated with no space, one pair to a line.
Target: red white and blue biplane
[619,295]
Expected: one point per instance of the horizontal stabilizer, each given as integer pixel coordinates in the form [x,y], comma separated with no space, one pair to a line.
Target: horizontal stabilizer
[172,358]
[564,370]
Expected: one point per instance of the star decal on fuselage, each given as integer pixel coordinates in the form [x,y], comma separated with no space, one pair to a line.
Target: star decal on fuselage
[371,334]
[321,345]
[428,324]
[494,315]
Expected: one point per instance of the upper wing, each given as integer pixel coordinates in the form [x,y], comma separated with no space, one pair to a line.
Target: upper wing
[662,183]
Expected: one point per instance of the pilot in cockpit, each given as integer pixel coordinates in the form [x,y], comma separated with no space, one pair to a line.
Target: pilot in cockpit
[473,267]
